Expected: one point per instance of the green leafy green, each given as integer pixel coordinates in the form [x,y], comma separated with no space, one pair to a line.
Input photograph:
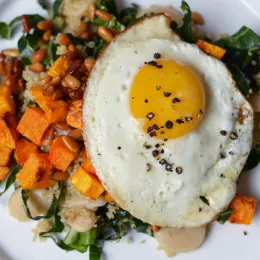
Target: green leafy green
[224,216]
[107,5]
[240,78]
[10,180]
[127,16]
[43,4]
[244,39]
[94,252]
[56,7]
[51,211]
[5,30]
[98,47]
[57,228]
[100,22]
[51,53]
[253,158]
[184,29]
[142,227]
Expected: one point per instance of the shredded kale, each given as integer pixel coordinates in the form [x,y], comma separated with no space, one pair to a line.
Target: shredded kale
[56,7]
[240,78]
[224,216]
[94,252]
[10,180]
[51,53]
[107,5]
[127,16]
[43,4]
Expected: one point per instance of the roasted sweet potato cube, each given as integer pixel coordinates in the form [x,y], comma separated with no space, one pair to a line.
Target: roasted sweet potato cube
[7,104]
[33,124]
[23,150]
[87,165]
[8,133]
[36,172]
[211,49]
[5,154]
[60,156]
[59,68]
[55,111]
[108,197]
[59,176]
[74,117]
[244,208]
[87,183]
[4,171]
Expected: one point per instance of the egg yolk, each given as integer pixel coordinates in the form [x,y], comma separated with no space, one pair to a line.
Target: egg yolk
[169,97]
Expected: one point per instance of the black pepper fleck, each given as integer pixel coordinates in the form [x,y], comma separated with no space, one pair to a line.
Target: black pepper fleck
[157,56]
[222,156]
[231,153]
[222,176]
[165,140]
[148,167]
[119,147]
[147,146]
[155,127]
[169,124]
[150,115]
[167,94]
[168,167]
[162,132]
[162,151]
[162,161]
[153,134]
[223,132]
[158,87]
[157,145]
[200,209]
[146,100]
[155,153]
[178,170]
[149,129]
[176,100]
[179,121]
[233,136]
[245,233]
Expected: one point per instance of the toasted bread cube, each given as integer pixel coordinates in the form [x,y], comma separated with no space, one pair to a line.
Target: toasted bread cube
[36,172]
[23,150]
[60,156]
[33,124]
[5,154]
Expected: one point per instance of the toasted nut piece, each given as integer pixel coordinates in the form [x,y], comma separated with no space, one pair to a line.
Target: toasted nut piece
[197,18]
[2,57]
[10,80]
[45,80]
[86,35]
[91,11]
[78,94]
[61,125]
[84,27]
[26,23]
[114,31]
[76,134]
[21,84]
[105,16]
[56,80]
[46,25]
[59,176]
[39,55]
[37,67]
[48,137]
[64,39]
[105,33]
[18,67]
[57,95]
[72,82]
[72,48]
[9,65]
[47,35]
[64,83]
[89,62]
[71,144]
[41,42]
[2,68]
[12,53]
[48,89]
[155,228]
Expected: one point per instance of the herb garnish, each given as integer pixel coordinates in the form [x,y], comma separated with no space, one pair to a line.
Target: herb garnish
[10,180]
[205,200]
[224,216]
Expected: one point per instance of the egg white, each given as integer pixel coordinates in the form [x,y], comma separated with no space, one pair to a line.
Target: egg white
[159,197]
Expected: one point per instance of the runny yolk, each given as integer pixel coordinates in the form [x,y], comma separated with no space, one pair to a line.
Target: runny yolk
[170,100]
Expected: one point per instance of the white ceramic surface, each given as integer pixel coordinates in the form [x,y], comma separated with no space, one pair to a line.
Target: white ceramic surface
[222,242]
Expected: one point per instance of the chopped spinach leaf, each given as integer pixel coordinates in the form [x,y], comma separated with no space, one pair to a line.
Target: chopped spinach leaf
[56,7]
[185,29]
[128,15]
[51,211]
[205,200]
[94,252]
[142,227]
[98,47]
[224,216]
[10,180]
[43,4]
[100,22]
[5,30]
[241,79]
[253,158]
[57,228]
[51,53]
[107,5]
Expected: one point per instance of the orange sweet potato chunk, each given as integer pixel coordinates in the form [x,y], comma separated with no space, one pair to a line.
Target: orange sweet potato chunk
[211,49]
[87,165]
[5,154]
[23,150]
[36,172]
[244,208]
[108,197]
[33,124]
[7,104]
[4,171]
[59,67]
[8,133]
[74,117]
[55,111]
[87,183]
[60,156]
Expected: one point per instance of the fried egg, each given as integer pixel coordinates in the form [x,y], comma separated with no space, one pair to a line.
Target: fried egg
[166,128]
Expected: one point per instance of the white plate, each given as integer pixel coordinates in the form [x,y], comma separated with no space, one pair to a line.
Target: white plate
[222,242]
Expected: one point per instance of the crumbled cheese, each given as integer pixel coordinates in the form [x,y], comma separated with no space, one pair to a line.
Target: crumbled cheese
[44,225]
